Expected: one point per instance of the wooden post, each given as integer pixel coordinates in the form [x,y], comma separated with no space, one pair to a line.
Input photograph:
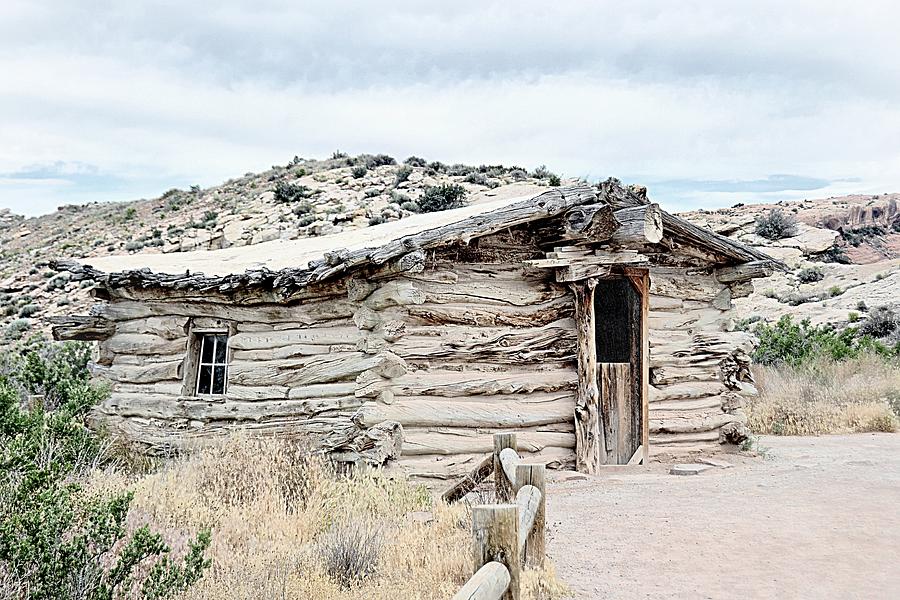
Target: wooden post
[502,483]
[645,365]
[587,417]
[535,542]
[495,528]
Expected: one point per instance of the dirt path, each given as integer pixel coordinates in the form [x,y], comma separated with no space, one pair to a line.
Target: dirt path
[818,518]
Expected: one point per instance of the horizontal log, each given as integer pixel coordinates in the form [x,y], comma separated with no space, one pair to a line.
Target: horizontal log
[745,272]
[148,373]
[490,582]
[303,371]
[520,292]
[85,328]
[482,315]
[317,336]
[681,391]
[142,343]
[553,341]
[426,441]
[538,409]
[162,436]
[692,425]
[307,314]
[679,282]
[429,382]
[168,327]
[164,406]
[454,466]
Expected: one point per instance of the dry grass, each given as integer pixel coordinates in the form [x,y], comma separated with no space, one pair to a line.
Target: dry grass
[281,525]
[827,397]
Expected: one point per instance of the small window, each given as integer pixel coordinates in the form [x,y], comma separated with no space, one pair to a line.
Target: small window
[212,369]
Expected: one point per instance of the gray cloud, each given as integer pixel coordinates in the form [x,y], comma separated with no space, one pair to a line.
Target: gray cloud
[702,98]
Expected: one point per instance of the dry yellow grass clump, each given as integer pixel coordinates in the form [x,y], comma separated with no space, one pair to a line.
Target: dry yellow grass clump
[284,526]
[826,396]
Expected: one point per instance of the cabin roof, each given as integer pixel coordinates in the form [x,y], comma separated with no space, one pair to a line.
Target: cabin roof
[300,262]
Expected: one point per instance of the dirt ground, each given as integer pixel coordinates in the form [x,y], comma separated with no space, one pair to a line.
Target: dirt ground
[818,517]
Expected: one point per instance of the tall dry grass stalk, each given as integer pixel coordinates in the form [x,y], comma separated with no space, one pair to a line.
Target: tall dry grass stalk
[824,396]
[283,526]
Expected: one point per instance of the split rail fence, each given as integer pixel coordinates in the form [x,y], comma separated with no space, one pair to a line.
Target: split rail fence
[509,535]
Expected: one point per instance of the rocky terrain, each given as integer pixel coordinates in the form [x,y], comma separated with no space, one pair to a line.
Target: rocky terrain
[842,259]
[842,256]
[301,199]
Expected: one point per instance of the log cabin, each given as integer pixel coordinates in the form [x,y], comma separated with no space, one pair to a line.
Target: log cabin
[584,318]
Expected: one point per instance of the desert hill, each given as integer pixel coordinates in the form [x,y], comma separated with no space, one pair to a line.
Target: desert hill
[842,257]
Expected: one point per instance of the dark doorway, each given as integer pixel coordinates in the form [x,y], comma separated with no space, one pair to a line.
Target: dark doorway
[618,345]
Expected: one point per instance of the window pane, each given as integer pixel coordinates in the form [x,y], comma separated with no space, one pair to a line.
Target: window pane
[221,348]
[219,380]
[204,380]
[206,352]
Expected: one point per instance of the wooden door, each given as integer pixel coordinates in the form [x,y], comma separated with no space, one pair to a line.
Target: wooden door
[611,424]
[618,343]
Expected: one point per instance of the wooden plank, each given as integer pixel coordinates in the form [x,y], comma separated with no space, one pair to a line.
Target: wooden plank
[615,411]
[638,456]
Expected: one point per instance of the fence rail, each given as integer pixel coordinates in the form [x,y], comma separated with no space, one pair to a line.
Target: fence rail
[506,536]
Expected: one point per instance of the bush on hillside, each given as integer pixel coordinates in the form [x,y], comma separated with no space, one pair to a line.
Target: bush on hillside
[359,171]
[442,197]
[810,275]
[288,192]
[56,541]
[790,343]
[776,225]
[881,322]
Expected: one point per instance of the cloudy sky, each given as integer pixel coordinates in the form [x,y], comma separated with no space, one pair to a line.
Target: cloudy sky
[706,102]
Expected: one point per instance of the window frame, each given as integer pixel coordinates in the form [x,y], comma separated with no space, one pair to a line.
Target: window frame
[203,339]
[196,328]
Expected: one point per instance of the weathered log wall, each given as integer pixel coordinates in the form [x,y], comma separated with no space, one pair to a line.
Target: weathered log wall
[455,346]
[454,350]
[699,370]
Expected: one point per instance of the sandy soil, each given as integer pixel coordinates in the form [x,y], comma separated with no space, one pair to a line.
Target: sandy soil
[817,518]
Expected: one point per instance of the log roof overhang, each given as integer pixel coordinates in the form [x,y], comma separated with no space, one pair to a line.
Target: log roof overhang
[296,264]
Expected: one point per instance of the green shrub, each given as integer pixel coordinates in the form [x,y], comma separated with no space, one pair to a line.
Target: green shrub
[776,224]
[476,178]
[835,254]
[787,342]
[403,174]
[17,328]
[554,180]
[415,161]
[288,192]
[410,206]
[377,160]
[29,310]
[442,197]
[853,316]
[810,275]
[130,213]
[881,322]
[835,291]
[858,235]
[359,171]
[56,541]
